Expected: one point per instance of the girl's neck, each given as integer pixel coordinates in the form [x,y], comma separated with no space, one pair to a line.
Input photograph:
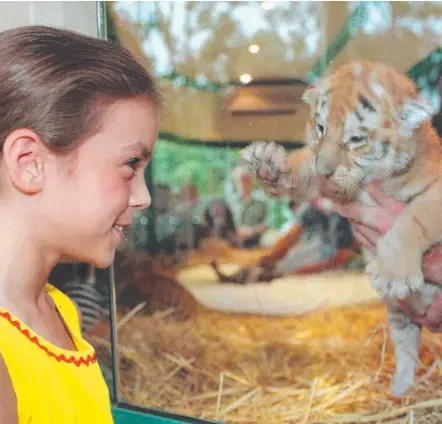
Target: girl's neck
[24,268]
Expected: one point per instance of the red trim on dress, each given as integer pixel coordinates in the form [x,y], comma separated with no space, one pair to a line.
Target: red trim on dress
[89,359]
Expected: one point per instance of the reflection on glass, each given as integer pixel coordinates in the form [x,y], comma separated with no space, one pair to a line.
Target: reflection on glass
[239,307]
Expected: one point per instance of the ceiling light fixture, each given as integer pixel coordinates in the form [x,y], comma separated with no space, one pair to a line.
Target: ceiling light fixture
[245,78]
[254,48]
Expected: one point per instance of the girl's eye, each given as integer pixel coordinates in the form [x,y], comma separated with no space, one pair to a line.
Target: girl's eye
[133,163]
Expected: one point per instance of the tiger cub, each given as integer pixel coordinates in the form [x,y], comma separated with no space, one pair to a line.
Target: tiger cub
[367,122]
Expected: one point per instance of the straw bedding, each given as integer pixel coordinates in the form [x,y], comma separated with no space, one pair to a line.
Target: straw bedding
[330,366]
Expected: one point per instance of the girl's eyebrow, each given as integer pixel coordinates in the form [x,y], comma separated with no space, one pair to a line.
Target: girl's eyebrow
[139,149]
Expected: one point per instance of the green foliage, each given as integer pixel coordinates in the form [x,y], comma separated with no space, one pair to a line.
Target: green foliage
[208,168]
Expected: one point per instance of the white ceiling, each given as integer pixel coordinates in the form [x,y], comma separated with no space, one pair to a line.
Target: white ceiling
[209,42]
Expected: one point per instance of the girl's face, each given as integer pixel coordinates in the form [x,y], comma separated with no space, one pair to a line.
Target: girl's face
[91,197]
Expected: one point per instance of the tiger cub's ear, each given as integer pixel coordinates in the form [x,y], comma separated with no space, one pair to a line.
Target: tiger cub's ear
[415,111]
[310,94]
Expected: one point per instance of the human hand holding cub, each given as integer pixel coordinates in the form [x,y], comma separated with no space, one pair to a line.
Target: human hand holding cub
[370,224]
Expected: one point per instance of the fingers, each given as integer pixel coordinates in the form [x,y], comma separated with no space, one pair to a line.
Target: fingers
[434,313]
[323,204]
[375,217]
[355,212]
[405,305]
[388,203]
[366,236]
[424,323]
[379,217]
[363,242]
[351,210]
[432,320]
[432,264]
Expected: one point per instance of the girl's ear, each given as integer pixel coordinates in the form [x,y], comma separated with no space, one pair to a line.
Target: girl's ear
[23,157]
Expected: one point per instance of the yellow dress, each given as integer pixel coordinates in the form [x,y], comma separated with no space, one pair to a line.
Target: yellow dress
[53,385]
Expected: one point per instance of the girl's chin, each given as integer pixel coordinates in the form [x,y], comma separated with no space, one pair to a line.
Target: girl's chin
[103,262]
[100,255]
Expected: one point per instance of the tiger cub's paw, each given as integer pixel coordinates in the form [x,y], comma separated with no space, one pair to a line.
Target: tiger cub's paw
[395,274]
[268,162]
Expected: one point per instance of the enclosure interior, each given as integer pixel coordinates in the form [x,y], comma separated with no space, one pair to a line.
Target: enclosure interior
[310,344]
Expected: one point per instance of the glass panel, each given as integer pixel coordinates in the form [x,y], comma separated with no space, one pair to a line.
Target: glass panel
[89,288]
[233,305]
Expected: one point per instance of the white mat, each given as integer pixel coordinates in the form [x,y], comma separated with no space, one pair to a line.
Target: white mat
[293,295]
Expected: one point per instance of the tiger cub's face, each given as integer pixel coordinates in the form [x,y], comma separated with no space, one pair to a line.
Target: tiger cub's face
[358,131]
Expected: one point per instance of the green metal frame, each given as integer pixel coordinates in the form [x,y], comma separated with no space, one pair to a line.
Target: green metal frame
[129,414]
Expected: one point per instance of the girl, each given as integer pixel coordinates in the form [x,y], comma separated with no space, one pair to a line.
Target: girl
[78,124]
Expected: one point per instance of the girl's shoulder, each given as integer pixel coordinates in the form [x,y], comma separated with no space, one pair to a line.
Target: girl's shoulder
[66,306]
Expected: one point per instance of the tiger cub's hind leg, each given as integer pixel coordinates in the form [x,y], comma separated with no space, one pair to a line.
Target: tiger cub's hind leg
[405,336]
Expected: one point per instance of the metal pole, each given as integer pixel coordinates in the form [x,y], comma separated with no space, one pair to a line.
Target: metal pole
[101,20]
[113,335]
[102,24]
[151,213]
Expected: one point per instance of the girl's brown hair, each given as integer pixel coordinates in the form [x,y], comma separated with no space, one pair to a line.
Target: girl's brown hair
[53,81]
